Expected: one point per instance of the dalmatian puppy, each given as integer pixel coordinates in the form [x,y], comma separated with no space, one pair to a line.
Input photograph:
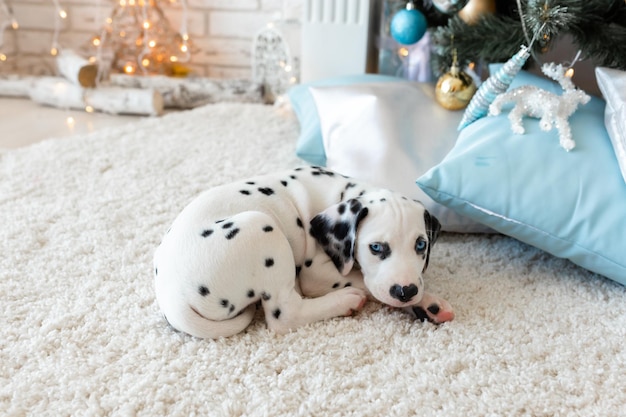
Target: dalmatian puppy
[308,244]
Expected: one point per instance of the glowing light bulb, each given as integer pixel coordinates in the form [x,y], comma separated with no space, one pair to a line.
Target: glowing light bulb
[184,48]
[96,41]
[92,59]
[3,57]
[403,52]
[174,58]
[14,24]
[185,36]
[152,43]
[54,51]
[89,109]
[145,62]
[146,25]
[129,68]
[63,14]
[70,122]
[287,68]
[569,73]
[122,3]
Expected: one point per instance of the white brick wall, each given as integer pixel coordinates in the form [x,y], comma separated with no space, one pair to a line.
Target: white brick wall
[221,30]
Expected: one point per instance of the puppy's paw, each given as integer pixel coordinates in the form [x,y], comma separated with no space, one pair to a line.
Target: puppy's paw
[352,299]
[432,308]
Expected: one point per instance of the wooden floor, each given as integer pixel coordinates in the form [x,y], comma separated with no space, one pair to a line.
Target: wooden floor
[23,122]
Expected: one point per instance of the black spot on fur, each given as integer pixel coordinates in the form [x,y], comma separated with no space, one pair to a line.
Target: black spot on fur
[341,229]
[341,209]
[206,233]
[284,183]
[250,294]
[299,222]
[308,263]
[265,296]
[266,190]
[204,291]
[337,261]
[321,171]
[231,308]
[293,177]
[382,200]
[298,169]
[250,182]
[269,262]
[268,228]
[348,284]
[420,314]
[232,234]
[276,313]
[336,285]
[355,206]
[434,309]
[224,302]
[227,225]
[156,271]
[350,185]
[219,221]
[244,192]
[298,270]
[347,248]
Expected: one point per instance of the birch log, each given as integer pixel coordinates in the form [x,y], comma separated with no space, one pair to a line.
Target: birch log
[76,69]
[58,92]
[15,85]
[187,93]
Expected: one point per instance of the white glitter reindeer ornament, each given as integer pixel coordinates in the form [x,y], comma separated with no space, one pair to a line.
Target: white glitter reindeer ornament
[551,109]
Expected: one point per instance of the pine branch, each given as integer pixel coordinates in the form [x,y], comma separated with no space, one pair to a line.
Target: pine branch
[598,28]
[492,39]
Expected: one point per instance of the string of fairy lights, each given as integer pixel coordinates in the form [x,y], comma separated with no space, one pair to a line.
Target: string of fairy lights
[136,38]
[6,20]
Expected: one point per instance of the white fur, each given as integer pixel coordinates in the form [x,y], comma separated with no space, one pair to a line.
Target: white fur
[242,243]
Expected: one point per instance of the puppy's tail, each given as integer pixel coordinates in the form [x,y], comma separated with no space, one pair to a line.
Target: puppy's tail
[191,322]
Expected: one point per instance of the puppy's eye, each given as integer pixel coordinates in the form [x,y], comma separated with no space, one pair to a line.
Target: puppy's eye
[420,245]
[376,248]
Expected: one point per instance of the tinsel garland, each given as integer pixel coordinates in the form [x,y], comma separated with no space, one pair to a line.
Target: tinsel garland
[598,29]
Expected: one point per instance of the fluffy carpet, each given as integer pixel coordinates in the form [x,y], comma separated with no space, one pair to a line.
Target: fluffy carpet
[82,334]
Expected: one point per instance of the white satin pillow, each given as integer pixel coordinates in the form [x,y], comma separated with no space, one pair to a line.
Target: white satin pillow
[612,83]
[389,134]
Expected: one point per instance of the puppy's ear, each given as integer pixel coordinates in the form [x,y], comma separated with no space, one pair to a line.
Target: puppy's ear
[433,227]
[335,230]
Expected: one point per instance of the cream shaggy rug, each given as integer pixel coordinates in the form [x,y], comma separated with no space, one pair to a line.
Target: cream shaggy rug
[82,334]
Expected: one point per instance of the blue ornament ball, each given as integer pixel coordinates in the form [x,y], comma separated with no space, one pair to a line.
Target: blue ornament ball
[408,26]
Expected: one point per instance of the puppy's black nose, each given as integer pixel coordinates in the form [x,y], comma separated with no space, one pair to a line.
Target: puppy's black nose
[403,294]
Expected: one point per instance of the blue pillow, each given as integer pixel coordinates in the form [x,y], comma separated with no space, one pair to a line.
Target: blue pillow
[570,204]
[310,146]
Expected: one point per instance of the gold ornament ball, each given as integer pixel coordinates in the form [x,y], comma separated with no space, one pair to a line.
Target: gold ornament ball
[454,89]
[475,9]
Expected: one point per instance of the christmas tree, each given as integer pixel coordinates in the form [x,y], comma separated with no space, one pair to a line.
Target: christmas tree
[495,29]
